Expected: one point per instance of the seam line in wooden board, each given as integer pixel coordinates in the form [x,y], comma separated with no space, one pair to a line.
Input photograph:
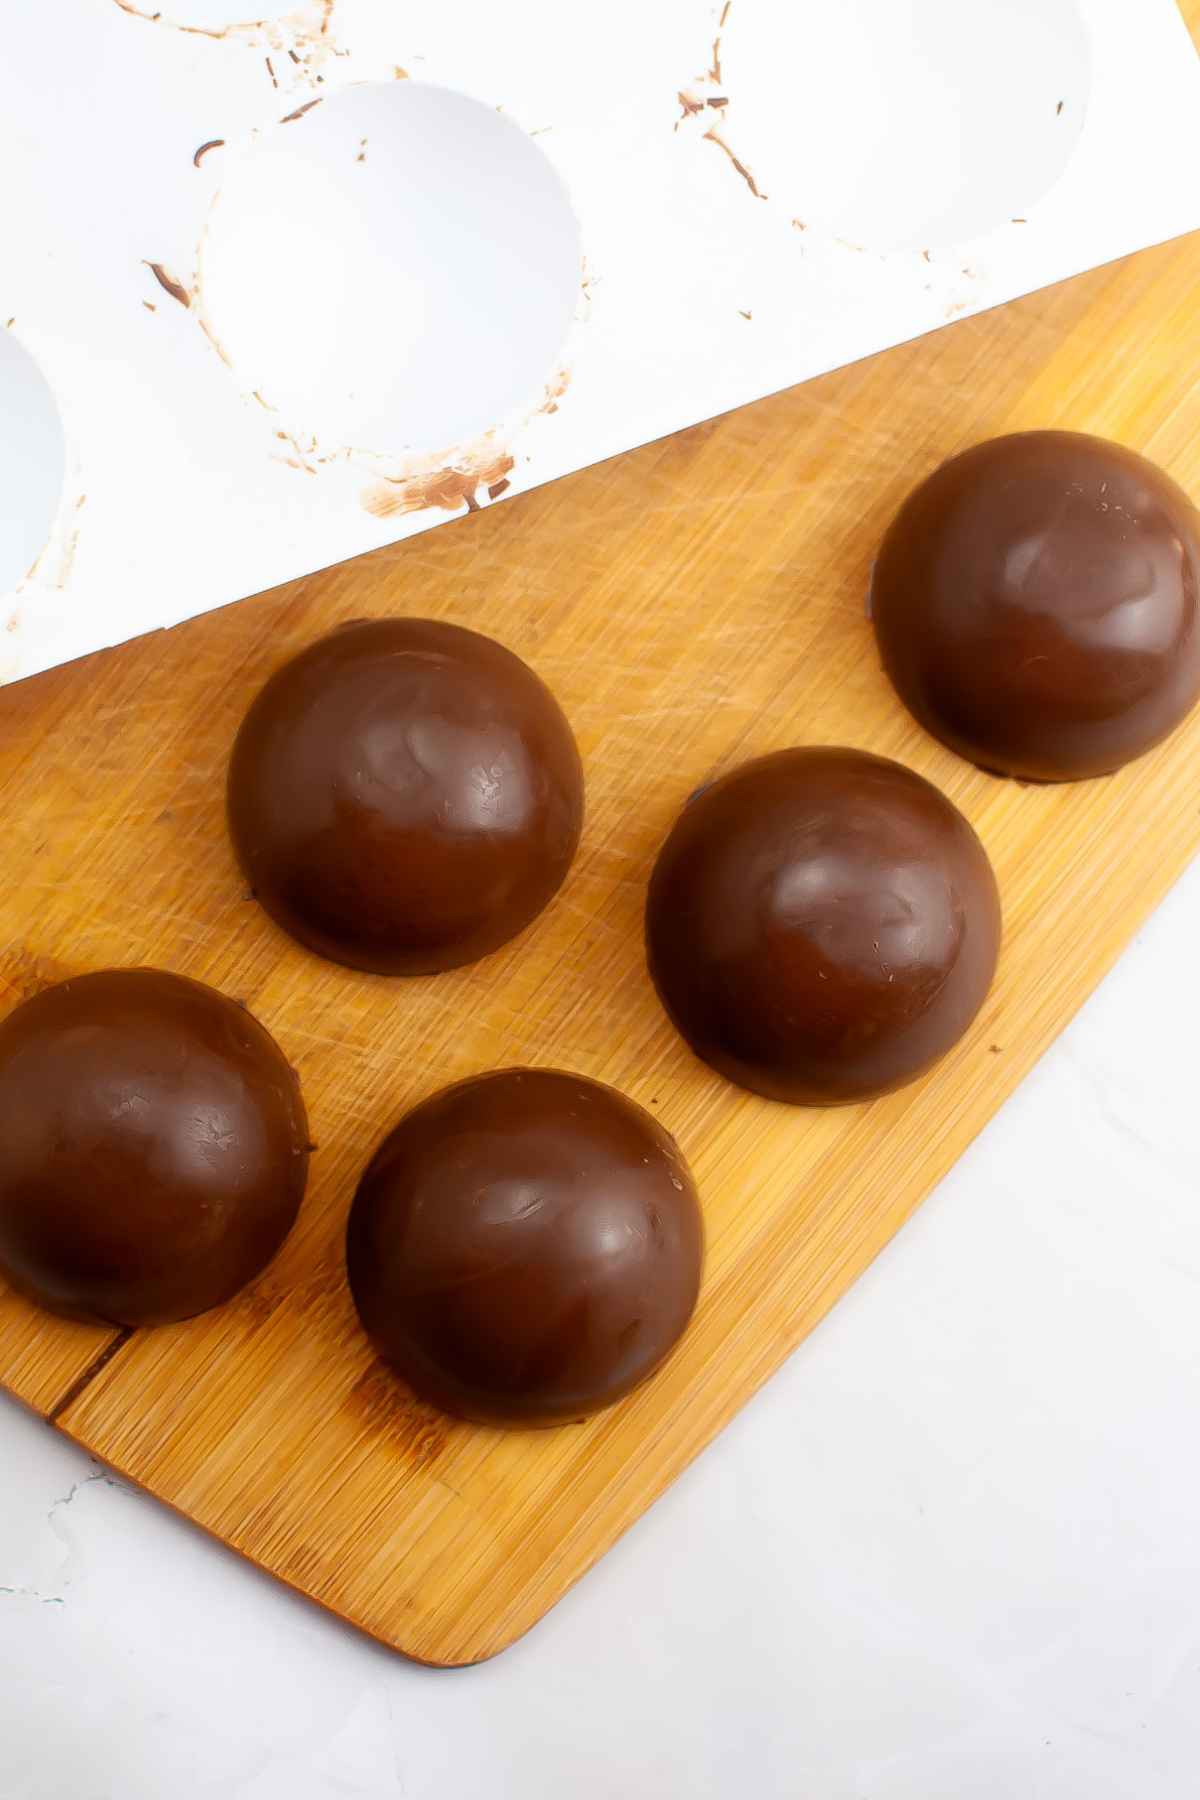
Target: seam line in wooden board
[84,1380]
[686,618]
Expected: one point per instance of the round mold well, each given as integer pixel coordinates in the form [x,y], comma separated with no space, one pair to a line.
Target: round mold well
[906,124]
[395,271]
[33,461]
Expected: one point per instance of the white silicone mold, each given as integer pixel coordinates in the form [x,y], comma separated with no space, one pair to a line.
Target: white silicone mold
[364,204]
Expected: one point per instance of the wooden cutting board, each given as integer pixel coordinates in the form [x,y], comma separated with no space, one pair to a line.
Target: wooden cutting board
[692,604]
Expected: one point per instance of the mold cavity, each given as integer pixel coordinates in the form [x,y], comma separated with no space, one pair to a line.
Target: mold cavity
[899,126]
[396,270]
[33,461]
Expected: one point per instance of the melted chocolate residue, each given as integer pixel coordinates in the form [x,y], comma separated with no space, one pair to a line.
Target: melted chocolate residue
[169,284]
[713,136]
[447,488]
[301,110]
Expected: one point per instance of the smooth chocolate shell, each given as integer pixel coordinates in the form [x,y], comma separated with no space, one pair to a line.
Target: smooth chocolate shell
[153,1147]
[822,925]
[1035,603]
[405,796]
[526,1247]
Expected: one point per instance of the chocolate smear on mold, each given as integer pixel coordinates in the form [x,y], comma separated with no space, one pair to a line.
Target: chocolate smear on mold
[303,35]
[300,110]
[714,137]
[168,283]
[446,488]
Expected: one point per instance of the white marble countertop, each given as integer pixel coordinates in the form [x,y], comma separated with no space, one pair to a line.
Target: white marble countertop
[952,1552]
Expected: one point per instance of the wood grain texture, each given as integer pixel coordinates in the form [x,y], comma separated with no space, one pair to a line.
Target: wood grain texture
[694,603]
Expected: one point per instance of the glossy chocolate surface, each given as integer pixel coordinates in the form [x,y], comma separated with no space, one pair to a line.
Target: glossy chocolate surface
[405,796]
[822,925]
[153,1147]
[1035,604]
[525,1247]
